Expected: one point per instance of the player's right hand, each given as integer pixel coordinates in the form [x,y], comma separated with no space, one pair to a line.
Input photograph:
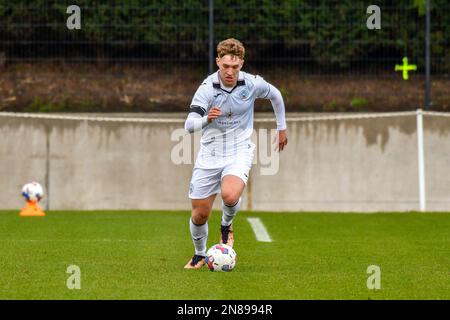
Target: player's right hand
[213,114]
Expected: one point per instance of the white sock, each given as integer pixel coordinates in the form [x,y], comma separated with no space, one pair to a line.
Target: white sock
[199,233]
[228,213]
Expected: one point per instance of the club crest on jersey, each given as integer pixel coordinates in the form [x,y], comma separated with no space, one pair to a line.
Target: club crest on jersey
[243,94]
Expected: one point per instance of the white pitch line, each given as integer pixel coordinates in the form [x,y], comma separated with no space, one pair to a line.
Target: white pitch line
[259,230]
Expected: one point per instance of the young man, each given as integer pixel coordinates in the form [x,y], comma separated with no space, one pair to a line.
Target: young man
[223,108]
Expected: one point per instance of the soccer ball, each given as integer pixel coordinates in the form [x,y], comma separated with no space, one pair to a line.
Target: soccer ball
[32,192]
[220,257]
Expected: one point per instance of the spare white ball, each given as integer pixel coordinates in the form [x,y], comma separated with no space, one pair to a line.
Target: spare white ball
[32,192]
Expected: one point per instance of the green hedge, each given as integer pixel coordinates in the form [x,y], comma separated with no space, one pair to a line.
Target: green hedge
[331,34]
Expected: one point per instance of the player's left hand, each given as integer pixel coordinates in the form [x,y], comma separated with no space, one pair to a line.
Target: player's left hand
[281,140]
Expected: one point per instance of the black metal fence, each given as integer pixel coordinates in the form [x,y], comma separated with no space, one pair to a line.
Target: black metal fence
[323,37]
[305,38]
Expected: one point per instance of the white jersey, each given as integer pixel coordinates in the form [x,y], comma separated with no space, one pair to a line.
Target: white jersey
[232,131]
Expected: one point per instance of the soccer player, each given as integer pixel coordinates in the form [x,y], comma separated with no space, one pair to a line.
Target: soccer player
[222,108]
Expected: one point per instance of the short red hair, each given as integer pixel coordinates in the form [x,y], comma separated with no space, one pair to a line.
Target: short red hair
[232,47]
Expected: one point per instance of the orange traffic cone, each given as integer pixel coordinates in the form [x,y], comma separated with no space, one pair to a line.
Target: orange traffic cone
[32,210]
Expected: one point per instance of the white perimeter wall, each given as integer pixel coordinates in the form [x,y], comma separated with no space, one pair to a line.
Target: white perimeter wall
[363,165]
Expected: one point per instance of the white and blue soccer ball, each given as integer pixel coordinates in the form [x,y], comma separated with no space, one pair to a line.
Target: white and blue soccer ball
[221,257]
[32,192]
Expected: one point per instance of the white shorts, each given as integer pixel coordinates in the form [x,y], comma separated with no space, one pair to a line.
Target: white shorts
[207,181]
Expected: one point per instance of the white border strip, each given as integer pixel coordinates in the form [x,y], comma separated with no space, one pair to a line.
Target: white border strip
[175,120]
[435,113]
[86,118]
[346,116]
[259,230]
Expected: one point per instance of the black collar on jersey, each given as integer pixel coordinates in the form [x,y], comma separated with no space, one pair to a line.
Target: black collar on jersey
[217,85]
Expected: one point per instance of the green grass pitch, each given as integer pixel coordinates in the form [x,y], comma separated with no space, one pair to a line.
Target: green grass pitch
[140,255]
